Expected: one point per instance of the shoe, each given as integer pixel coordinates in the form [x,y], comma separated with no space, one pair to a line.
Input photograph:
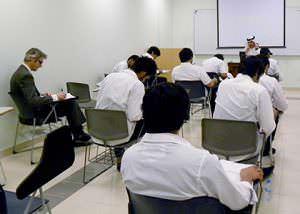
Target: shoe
[118,163]
[83,137]
[268,171]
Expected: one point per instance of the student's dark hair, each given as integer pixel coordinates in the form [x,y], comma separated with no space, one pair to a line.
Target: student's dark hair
[186,54]
[165,108]
[219,56]
[264,60]
[153,50]
[145,64]
[133,57]
[252,65]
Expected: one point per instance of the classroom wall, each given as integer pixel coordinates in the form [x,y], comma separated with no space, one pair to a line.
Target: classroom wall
[183,37]
[83,40]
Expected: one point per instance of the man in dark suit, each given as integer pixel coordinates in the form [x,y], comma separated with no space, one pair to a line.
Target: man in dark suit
[23,88]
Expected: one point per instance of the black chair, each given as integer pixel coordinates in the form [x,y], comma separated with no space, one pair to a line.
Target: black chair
[197,94]
[30,117]
[57,156]
[82,91]
[140,204]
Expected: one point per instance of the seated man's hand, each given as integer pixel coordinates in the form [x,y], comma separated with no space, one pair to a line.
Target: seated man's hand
[61,96]
[251,173]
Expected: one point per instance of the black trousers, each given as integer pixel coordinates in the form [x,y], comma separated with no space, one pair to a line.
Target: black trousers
[270,139]
[138,132]
[68,108]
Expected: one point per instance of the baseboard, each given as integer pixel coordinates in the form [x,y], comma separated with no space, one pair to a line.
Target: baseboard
[21,146]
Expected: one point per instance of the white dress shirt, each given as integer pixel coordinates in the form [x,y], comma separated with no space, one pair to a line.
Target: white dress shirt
[243,99]
[275,91]
[169,167]
[189,72]
[215,65]
[122,91]
[251,51]
[119,67]
[274,69]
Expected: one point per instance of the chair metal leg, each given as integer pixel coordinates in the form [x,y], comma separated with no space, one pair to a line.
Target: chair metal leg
[32,145]
[26,211]
[84,166]
[3,174]
[16,137]
[44,203]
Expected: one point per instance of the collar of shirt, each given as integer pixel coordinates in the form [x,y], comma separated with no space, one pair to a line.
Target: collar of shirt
[26,66]
[148,55]
[244,77]
[164,138]
[131,73]
[186,63]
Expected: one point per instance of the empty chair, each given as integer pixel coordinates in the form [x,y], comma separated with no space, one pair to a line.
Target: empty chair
[197,93]
[109,129]
[82,91]
[57,156]
[27,116]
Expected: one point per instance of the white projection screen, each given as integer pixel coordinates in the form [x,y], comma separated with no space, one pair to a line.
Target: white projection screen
[239,19]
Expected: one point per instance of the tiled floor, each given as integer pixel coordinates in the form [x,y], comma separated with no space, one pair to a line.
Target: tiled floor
[106,194]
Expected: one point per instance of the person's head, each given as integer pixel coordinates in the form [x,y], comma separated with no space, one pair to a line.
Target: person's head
[144,67]
[219,56]
[186,55]
[34,58]
[165,108]
[265,62]
[251,42]
[131,60]
[265,52]
[253,67]
[154,52]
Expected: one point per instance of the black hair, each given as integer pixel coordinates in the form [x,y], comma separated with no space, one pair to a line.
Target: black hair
[264,60]
[133,57]
[165,108]
[145,64]
[153,50]
[219,56]
[252,65]
[185,54]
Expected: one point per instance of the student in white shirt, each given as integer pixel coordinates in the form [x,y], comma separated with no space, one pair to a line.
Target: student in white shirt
[125,64]
[125,91]
[164,165]
[273,70]
[252,48]
[186,71]
[152,53]
[216,65]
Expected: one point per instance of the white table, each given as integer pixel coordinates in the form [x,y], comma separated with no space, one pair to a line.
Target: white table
[3,111]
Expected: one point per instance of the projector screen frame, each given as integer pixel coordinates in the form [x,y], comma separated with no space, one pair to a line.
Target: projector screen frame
[239,47]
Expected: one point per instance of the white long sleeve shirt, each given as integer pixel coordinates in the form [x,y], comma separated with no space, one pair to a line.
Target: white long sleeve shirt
[169,167]
[274,69]
[214,65]
[189,72]
[243,99]
[275,91]
[124,92]
[119,67]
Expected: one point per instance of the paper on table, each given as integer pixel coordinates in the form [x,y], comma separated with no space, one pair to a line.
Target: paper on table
[69,96]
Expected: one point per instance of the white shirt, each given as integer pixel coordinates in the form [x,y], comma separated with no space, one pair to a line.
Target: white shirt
[189,72]
[243,99]
[215,65]
[148,55]
[119,67]
[274,69]
[275,91]
[122,91]
[169,167]
[251,51]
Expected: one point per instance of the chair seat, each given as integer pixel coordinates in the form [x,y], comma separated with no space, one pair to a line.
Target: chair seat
[198,100]
[16,206]
[115,143]
[90,104]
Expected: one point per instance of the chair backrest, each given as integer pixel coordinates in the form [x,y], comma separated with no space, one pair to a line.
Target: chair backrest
[25,112]
[229,137]
[139,204]
[80,90]
[195,89]
[57,156]
[106,124]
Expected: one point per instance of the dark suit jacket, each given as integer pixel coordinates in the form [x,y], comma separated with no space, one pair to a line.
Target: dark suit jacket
[25,94]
